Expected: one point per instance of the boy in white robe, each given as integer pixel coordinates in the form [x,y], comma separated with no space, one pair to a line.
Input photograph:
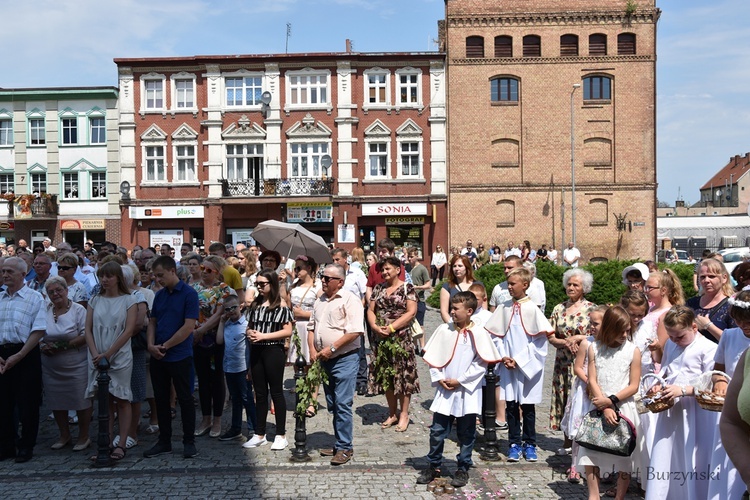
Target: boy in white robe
[523,330]
[458,354]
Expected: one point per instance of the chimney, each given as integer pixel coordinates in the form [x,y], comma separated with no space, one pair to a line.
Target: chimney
[348,46]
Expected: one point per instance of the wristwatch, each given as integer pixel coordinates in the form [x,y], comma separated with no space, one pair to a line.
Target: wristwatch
[332,348]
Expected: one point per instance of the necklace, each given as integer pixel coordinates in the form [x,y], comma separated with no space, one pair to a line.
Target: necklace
[56,315]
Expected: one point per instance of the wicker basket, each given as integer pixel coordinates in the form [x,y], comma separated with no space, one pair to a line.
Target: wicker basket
[655,402]
[704,395]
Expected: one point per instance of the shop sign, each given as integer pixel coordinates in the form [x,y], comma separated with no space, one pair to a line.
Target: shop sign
[7,226]
[404,221]
[394,209]
[186,212]
[81,224]
[309,212]
[172,237]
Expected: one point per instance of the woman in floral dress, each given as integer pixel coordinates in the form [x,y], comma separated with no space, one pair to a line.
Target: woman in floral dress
[392,307]
[571,323]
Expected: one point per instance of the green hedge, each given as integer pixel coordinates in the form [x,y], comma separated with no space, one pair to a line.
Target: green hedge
[608,287]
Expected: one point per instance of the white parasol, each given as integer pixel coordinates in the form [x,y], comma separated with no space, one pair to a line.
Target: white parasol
[291,240]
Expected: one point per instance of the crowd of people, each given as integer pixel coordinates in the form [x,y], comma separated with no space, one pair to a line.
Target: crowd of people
[230,321]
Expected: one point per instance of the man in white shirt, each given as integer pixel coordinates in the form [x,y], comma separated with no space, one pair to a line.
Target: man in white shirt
[571,255]
[512,250]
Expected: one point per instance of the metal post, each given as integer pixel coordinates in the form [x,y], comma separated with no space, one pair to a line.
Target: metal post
[489,413]
[573,164]
[299,453]
[102,380]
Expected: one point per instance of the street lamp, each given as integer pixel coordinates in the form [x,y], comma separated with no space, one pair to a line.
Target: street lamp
[576,86]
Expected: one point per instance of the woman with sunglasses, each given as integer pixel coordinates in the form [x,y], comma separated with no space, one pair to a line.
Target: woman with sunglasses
[208,355]
[302,295]
[269,323]
[437,264]
[66,269]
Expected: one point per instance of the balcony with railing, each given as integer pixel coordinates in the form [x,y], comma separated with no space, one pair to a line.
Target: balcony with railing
[29,206]
[296,186]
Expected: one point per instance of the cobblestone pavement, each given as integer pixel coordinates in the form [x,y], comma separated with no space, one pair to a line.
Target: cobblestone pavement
[385,463]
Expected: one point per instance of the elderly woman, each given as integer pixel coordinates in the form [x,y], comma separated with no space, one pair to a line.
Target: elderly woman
[208,355]
[570,321]
[393,305]
[712,306]
[66,268]
[64,364]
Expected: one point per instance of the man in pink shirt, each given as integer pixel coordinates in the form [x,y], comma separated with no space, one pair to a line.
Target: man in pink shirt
[334,335]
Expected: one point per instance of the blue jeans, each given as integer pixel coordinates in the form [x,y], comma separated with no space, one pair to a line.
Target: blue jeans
[342,376]
[466,428]
[421,310]
[238,390]
[514,423]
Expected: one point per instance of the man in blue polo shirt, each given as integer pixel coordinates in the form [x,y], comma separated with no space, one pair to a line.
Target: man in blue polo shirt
[170,342]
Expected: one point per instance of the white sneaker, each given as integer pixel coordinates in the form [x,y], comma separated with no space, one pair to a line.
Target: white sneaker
[561,452]
[279,443]
[255,441]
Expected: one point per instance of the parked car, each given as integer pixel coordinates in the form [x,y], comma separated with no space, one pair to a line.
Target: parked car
[665,255]
[733,257]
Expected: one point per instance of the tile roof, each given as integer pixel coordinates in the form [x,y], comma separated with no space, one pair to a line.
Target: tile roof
[730,173]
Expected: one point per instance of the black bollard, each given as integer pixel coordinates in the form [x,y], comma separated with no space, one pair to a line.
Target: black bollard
[489,412]
[299,453]
[102,440]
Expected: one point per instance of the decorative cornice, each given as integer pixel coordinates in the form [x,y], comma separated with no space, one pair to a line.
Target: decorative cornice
[505,61]
[502,189]
[553,19]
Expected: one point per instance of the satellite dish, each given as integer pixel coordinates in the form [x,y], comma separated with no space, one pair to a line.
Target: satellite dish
[265,98]
[326,161]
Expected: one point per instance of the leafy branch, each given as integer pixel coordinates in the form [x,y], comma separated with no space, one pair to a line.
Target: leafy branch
[389,353]
[307,386]
[631,7]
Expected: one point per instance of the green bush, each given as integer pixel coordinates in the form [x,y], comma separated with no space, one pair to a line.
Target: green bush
[607,289]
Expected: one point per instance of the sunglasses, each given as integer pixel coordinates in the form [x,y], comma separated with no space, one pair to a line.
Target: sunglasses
[64,268]
[206,270]
[326,279]
[261,284]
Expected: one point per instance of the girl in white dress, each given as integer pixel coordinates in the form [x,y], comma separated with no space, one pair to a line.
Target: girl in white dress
[580,403]
[614,373]
[725,482]
[683,434]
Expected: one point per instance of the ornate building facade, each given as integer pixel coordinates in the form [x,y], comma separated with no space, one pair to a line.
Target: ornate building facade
[350,145]
[547,99]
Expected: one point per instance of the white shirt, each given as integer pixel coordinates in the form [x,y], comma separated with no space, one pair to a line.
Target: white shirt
[512,251]
[468,368]
[569,254]
[356,282]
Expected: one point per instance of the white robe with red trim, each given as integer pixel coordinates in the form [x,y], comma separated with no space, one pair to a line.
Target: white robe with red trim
[523,330]
[462,356]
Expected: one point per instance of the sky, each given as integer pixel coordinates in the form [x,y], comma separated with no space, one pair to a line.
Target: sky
[703,61]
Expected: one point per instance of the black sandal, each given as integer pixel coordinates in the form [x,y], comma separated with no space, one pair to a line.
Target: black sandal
[116,456]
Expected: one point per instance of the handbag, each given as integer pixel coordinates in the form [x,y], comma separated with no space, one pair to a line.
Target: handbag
[596,434]
[415,329]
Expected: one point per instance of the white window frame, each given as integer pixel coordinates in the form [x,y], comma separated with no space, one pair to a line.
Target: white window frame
[311,156]
[64,181]
[147,158]
[242,74]
[33,129]
[181,156]
[408,72]
[377,87]
[67,129]
[93,128]
[7,185]
[98,196]
[241,155]
[6,131]
[33,182]
[153,77]
[179,96]
[311,82]
[401,141]
[380,141]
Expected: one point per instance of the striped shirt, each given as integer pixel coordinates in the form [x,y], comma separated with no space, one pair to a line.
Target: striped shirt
[20,314]
[267,320]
